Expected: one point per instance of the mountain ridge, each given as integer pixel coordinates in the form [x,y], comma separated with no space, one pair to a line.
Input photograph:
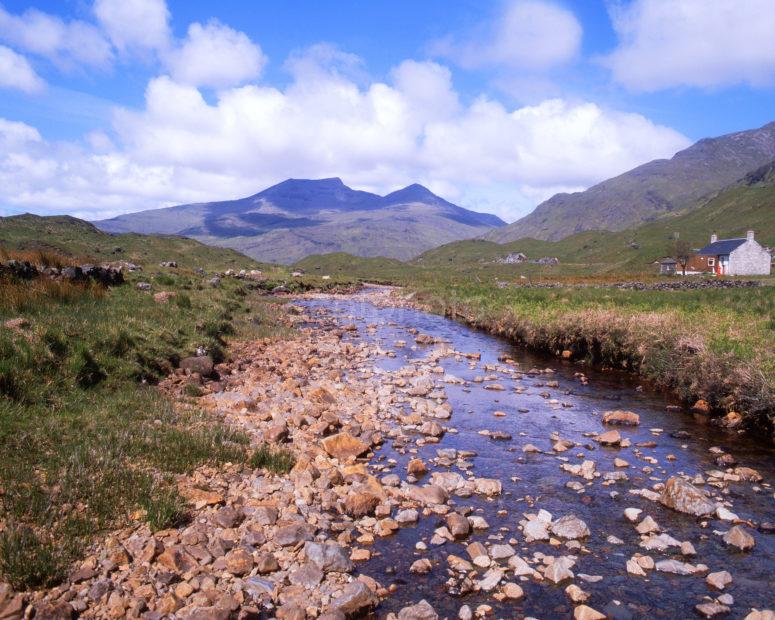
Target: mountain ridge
[298,217]
[649,191]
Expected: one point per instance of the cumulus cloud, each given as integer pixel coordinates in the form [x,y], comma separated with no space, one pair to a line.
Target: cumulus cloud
[182,147]
[215,55]
[699,43]
[140,25]
[17,73]
[529,34]
[65,43]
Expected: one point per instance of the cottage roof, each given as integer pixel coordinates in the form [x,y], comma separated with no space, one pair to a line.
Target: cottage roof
[724,246]
[668,261]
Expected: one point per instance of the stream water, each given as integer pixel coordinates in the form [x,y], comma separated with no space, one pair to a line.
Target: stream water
[533,481]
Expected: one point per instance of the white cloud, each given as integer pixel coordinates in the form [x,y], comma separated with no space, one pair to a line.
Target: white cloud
[529,34]
[140,25]
[215,55]
[699,43]
[379,136]
[17,73]
[64,43]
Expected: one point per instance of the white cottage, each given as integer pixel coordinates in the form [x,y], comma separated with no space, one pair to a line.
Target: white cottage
[737,257]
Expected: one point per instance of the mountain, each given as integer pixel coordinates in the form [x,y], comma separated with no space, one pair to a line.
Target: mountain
[655,189]
[746,204]
[300,217]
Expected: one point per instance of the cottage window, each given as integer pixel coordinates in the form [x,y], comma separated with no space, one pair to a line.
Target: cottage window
[711,262]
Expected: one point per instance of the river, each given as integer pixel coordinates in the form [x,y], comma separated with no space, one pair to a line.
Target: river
[572,410]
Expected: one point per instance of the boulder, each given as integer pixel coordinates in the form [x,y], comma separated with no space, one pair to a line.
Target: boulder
[583,612]
[239,562]
[360,504]
[458,525]
[624,418]
[739,537]
[420,611]
[719,580]
[328,557]
[290,535]
[343,446]
[356,600]
[202,365]
[609,438]
[570,527]
[682,496]
[430,494]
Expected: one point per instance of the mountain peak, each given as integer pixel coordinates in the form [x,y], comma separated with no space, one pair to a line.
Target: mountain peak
[327,183]
[413,193]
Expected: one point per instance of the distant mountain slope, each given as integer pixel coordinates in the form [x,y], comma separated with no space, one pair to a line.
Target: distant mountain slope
[73,237]
[649,191]
[298,217]
[747,204]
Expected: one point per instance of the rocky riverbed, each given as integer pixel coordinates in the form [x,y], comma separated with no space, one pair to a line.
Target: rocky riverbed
[442,473]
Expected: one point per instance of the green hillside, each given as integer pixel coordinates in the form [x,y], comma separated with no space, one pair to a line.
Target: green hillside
[746,205]
[73,237]
[343,264]
[660,188]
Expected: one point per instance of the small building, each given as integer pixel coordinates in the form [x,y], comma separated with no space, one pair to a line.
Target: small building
[736,257]
[667,266]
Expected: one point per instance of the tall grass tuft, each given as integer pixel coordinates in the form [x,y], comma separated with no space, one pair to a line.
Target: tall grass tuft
[275,460]
[28,560]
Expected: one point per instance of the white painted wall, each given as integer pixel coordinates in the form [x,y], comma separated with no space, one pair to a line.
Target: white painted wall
[749,259]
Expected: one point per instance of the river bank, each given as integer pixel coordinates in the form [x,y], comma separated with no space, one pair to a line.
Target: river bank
[714,349]
[439,472]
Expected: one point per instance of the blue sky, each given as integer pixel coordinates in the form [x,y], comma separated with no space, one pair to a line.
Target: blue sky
[109,106]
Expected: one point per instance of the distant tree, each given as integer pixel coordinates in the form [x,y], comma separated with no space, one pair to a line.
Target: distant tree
[681,251]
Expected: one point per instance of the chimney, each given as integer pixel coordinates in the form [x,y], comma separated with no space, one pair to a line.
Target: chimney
[749,235]
[713,238]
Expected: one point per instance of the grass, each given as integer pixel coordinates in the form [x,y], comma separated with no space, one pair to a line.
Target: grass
[28,560]
[87,444]
[273,459]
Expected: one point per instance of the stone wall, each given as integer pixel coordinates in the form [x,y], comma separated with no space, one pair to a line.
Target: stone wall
[750,259]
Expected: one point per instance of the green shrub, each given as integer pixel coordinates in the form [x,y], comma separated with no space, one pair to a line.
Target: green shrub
[192,389]
[164,279]
[183,301]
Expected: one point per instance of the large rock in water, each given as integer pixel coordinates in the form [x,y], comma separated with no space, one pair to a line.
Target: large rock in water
[570,527]
[356,600]
[428,495]
[343,445]
[626,418]
[420,611]
[685,497]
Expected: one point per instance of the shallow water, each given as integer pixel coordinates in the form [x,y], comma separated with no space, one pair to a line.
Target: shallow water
[539,478]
